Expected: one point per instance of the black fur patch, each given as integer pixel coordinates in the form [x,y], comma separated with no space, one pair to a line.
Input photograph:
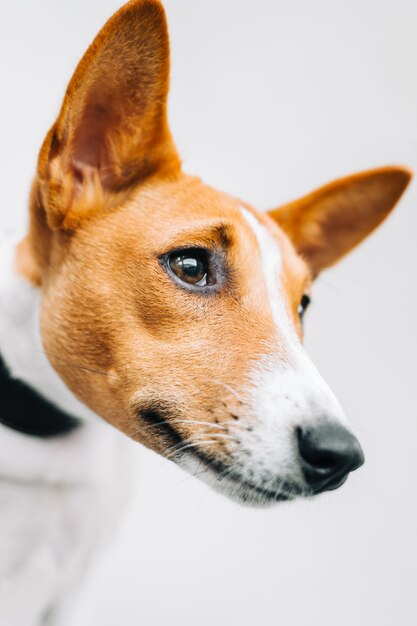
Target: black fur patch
[23,409]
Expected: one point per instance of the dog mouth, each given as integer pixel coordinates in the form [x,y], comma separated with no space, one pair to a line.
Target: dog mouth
[157,423]
[333,484]
[223,476]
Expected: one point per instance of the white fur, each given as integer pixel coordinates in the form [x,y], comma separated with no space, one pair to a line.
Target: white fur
[285,383]
[20,339]
[60,498]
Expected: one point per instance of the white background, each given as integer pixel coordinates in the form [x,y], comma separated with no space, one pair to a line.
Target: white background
[269,99]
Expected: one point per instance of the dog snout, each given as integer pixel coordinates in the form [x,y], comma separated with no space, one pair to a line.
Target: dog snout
[328,452]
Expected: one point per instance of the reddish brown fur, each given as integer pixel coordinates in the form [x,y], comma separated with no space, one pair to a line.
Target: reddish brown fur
[343,212]
[109,198]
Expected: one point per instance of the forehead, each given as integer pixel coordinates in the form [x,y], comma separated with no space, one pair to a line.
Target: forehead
[164,216]
[184,209]
[285,275]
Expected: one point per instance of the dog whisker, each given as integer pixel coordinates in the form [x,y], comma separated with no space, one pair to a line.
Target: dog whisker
[219,436]
[188,446]
[200,439]
[228,388]
[191,440]
[202,423]
[146,427]
[228,471]
[194,474]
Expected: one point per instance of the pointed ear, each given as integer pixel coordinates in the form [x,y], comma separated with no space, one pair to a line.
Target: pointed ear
[328,223]
[112,131]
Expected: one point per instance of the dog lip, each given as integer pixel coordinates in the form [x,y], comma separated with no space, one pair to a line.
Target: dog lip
[267,495]
[333,484]
[271,496]
[156,419]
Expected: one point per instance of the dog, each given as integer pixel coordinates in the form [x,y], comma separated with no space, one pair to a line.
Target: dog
[141,300]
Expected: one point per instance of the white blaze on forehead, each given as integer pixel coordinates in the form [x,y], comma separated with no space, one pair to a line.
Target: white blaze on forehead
[291,392]
[271,261]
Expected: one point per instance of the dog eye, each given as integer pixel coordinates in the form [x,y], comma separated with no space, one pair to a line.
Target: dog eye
[304,304]
[191,267]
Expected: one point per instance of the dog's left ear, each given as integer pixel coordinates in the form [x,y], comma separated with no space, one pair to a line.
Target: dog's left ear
[326,224]
[112,131]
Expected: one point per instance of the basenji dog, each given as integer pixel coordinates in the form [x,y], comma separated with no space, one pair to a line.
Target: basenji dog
[172,311]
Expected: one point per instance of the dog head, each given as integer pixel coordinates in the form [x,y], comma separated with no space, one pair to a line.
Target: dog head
[175,311]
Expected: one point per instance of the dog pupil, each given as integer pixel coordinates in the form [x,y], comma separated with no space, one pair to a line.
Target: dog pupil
[190,269]
[305,301]
[191,266]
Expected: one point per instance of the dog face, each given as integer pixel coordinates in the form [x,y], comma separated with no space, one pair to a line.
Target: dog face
[173,310]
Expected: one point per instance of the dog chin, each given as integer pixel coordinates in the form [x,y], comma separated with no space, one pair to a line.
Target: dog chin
[251,496]
[261,494]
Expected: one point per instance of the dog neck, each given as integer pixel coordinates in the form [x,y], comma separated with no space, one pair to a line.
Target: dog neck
[24,410]
[24,360]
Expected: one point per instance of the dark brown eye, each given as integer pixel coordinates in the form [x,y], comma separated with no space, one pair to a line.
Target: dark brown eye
[303,306]
[191,267]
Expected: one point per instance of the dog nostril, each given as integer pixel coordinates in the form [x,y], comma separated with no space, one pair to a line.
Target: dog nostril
[324,461]
[328,453]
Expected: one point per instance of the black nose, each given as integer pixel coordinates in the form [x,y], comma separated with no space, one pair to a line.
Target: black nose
[328,453]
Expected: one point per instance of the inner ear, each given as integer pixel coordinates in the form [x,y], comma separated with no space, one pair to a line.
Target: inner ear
[327,223]
[112,131]
[89,147]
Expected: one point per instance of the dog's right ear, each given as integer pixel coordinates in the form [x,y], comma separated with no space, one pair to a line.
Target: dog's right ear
[112,131]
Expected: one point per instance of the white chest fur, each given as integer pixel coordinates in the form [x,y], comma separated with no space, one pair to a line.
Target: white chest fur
[59,498]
